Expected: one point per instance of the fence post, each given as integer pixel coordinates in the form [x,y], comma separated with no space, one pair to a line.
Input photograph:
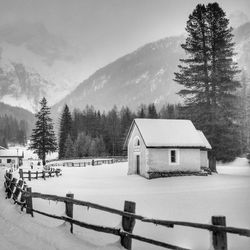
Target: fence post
[29,173]
[69,209]
[219,238]
[21,173]
[29,202]
[17,191]
[44,175]
[9,176]
[11,188]
[36,174]
[128,224]
[23,195]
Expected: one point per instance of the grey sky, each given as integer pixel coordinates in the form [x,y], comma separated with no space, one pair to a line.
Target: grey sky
[96,32]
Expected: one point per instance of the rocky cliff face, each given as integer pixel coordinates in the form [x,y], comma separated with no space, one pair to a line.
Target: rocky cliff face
[22,87]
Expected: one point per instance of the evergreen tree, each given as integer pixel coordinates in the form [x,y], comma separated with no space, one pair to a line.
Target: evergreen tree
[43,139]
[101,150]
[248,119]
[152,113]
[65,130]
[93,148]
[113,130]
[69,148]
[126,119]
[208,79]
[3,142]
[169,111]
[142,111]
[243,113]
[82,145]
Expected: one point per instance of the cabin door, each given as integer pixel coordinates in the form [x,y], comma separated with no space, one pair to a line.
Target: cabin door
[138,164]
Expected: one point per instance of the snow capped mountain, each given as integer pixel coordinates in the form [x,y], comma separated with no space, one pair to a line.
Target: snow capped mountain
[34,63]
[143,76]
[22,87]
[238,18]
[242,39]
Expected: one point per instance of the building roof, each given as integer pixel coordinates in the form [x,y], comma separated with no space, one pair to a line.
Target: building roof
[11,153]
[204,139]
[2,148]
[168,133]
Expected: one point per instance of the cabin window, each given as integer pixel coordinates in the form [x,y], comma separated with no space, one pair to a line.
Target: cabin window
[174,156]
[8,160]
[137,142]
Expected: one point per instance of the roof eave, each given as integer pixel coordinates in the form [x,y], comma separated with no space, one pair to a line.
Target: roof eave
[187,147]
[128,135]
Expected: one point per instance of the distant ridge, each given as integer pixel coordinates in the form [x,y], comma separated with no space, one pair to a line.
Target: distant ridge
[143,76]
[18,113]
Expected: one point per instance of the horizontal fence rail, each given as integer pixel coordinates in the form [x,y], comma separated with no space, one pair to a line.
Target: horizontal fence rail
[166,223]
[23,195]
[86,162]
[39,174]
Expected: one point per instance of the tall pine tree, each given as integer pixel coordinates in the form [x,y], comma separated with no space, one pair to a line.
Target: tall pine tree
[69,148]
[152,113]
[43,139]
[208,78]
[65,130]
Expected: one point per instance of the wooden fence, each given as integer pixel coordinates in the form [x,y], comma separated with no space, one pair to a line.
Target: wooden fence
[39,174]
[23,196]
[88,161]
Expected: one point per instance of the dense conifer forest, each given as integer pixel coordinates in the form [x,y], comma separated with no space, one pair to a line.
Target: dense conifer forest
[92,133]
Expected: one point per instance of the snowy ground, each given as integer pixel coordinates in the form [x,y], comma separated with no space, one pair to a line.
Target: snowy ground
[193,199]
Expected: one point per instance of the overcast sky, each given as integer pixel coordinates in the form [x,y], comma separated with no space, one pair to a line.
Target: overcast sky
[97,31]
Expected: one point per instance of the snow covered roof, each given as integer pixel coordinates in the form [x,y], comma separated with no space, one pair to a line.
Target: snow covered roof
[168,133]
[204,139]
[10,153]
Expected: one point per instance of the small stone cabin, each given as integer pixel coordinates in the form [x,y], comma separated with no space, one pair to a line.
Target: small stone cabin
[159,147]
[9,158]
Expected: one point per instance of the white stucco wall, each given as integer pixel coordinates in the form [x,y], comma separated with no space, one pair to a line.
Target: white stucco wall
[3,161]
[136,150]
[158,160]
[204,159]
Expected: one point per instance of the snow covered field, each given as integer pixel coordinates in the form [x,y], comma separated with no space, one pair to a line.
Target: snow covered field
[189,198]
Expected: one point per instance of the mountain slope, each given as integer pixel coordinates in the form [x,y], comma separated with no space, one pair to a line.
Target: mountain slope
[144,76]
[22,87]
[19,114]
[34,63]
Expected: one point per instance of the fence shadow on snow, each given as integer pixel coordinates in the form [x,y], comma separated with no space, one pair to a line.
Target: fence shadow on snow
[23,196]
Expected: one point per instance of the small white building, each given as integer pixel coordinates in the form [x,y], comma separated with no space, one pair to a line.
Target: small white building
[10,158]
[159,147]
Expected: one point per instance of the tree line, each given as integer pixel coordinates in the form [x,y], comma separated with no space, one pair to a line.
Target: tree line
[12,131]
[92,133]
